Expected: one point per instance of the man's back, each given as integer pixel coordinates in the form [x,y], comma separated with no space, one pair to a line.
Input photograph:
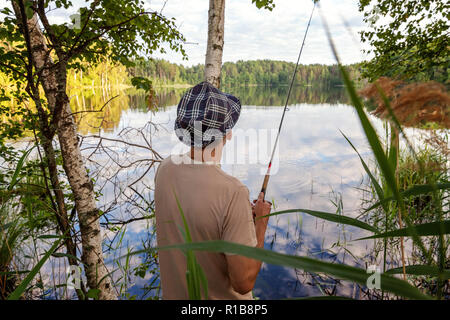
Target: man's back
[216,207]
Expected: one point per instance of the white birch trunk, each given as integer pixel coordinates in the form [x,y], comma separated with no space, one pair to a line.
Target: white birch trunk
[214,50]
[54,84]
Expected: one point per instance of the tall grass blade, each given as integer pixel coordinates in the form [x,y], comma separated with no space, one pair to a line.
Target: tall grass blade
[5,226]
[374,181]
[360,276]
[15,295]
[371,134]
[420,270]
[330,217]
[384,164]
[415,190]
[426,229]
[15,177]
[195,276]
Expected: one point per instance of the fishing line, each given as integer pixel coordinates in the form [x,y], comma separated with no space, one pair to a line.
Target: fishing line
[266,178]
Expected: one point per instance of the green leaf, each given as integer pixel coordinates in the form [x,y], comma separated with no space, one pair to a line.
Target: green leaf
[360,276]
[424,188]
[186,227]
[142,83]
[28,9]
[195,276]
[393,152]
[419,270]
[93,293]
[426,229]
[6,226]
[62,255]
[374,181]
[7,273]
[331,217]
[49,236]
[371,135]
[15,177]
[266,4]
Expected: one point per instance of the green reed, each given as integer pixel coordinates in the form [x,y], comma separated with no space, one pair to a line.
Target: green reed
[389,194]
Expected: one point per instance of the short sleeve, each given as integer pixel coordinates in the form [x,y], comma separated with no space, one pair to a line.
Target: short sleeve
[238,225]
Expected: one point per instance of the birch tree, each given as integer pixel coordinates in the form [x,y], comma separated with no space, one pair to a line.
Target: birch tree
[214,48]
[40,54]
[216,33]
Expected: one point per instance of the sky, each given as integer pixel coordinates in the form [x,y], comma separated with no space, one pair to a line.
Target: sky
[252,33]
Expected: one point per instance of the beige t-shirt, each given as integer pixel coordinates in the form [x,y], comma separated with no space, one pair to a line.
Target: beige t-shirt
[216,206]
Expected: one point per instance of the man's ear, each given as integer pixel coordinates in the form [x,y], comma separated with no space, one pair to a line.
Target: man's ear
[229,135]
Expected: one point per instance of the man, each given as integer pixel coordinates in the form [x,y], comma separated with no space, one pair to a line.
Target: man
[215,204]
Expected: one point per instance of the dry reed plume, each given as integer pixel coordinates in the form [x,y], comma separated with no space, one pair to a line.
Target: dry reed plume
[414,104]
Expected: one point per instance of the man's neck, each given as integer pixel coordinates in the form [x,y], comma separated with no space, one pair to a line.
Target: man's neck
[205,155]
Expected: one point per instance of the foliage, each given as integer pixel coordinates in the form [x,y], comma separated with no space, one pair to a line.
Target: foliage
[88,90]
[108,31]
[141,83]
[14,224]
[24,184]
[106,74]
[266,4]
[11,229]
[119,30]
[257,72]
[16,112]
[423,178]
[409,39]
[24,284]
[427,166]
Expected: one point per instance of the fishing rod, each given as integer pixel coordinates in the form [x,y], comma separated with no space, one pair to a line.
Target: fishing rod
[266,178]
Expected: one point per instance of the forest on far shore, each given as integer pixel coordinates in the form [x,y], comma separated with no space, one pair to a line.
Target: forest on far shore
[253,72]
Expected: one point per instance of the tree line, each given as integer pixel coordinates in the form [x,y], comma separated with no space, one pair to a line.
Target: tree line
[253,72]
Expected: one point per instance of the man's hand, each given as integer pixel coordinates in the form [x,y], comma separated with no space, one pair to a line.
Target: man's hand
[261,208]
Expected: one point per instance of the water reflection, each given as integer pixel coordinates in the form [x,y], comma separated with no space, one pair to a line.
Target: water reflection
[98,110]
[316,167]
[101,110]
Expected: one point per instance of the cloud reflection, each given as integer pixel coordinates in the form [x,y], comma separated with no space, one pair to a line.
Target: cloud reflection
[315,160]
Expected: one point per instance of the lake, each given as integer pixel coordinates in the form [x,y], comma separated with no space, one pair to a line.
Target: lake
[315,169]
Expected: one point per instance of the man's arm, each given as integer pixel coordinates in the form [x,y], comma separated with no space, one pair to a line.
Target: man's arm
[242,270]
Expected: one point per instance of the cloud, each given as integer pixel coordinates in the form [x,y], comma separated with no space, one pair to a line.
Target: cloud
[251,33]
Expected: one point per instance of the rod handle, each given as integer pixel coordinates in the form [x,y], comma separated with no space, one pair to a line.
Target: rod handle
[265,182]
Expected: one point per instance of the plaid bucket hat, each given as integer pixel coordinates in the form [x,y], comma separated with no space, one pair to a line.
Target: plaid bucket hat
[205,114]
